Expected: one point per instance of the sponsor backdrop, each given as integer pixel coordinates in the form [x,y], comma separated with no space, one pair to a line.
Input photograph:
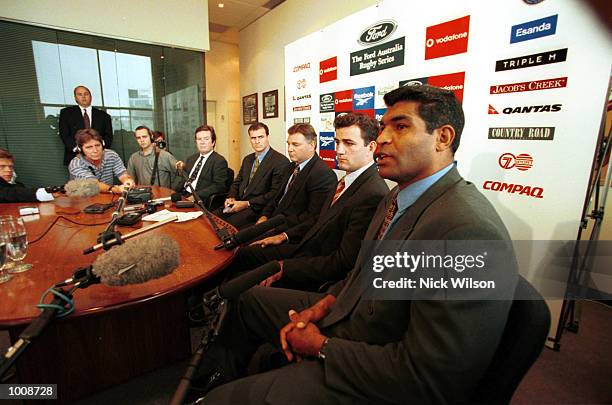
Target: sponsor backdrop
[532,77]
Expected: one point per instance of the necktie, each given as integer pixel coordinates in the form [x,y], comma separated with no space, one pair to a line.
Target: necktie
[254,170]
[388,217]
[339,190]
[296,171]
[196,169]
[86,120]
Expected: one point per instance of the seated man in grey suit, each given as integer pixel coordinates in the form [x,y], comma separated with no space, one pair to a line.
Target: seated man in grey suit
[258,181]
[206,170]
[326,251]
[357,350]
[306,181]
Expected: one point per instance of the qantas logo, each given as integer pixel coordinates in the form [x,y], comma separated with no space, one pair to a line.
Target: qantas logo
[527,109]
[492,110]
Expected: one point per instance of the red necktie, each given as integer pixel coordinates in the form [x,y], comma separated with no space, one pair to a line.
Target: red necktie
[339,190]
[86,120]
[388,217]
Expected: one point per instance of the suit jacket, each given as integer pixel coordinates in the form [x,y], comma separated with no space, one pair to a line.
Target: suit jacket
[10,193]
[266,182]
[71,120]
[213,178]
[432,351]
[328,249]
[305,198]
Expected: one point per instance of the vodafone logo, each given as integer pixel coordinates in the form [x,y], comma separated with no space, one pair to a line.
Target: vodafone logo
[449,38]
[522,162]
[328,70]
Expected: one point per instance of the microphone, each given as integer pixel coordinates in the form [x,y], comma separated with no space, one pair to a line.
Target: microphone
[135,262]
[82,188]
[251,232]
[55,189]
[174,198]
[236,286]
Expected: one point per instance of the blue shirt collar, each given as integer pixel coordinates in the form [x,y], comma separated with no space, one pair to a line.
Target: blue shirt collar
[304,163]
[263,155]
[410,194]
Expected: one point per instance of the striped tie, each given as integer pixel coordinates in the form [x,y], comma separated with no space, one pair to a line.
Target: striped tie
[339,190]
[255,167]
[388,217]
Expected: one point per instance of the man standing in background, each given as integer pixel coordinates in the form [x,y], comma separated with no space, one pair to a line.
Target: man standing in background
[82,116]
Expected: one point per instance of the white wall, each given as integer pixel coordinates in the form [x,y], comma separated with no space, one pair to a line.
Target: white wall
[177,23]
[262,51]
[222,87]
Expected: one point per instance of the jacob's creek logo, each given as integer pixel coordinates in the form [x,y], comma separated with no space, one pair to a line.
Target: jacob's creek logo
[529,86]
[377,32]
[328,70]
[326,102]
[302,108]
[344,100]
[534,29]
[527,109]
[303,66]
[523,133]
[522,162]
[530,191]
[449,38]
[363,99]
[537,59]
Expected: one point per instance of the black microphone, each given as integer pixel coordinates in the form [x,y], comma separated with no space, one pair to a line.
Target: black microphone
[55,189]
[252,232]
[134,262]
[233,288]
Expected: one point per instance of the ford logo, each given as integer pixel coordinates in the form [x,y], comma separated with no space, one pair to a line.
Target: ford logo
[413,83]
[326,98]
[377,32]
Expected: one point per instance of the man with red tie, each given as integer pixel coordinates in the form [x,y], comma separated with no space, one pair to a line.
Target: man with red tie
[83,116]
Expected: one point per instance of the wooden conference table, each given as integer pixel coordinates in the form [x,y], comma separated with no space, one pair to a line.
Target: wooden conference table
[115,333]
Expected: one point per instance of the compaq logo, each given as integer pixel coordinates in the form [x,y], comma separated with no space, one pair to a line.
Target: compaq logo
[301,67]
[377,32]
[529,86]
[523,133]
[449,38]
[522,162]
[534,29]
[328,70]
[537,59]
[530,191]
[532,109]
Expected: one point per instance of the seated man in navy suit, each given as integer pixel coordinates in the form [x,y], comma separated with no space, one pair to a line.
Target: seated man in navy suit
[206,170]
[13,191]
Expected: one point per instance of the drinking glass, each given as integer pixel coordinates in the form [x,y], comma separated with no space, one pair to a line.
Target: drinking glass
[18,246]
[3,252]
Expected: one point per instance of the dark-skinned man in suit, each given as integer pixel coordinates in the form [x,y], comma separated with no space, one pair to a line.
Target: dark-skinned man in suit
[206,170]
[83,116]
[355,349]
[258,181]
[326,251]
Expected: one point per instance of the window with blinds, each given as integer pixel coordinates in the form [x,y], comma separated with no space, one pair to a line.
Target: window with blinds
[137,84]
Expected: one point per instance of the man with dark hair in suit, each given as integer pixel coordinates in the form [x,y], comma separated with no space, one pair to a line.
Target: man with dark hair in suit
[82,116]
[355,349]
[306,181]
[326,251]
[258,181]
[206,170]
[13,191]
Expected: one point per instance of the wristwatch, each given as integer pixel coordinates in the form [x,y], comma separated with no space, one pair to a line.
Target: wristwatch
[321,354]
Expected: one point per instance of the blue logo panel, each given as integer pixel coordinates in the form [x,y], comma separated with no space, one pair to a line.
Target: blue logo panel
[327,141]
[363,98]
[378,113]
[534,29]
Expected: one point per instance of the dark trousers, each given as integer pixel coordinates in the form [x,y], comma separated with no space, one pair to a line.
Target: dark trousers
[240,220]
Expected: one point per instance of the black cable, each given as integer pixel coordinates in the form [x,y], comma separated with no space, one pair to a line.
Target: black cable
[65,219]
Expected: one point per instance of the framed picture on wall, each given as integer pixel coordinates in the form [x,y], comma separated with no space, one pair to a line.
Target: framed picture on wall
[270,104]
[249,109]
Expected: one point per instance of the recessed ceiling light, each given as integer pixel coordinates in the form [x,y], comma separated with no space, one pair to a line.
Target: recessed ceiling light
[221,5]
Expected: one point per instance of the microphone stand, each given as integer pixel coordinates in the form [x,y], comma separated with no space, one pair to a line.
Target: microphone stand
[218,306]
[110,233]
[222,233]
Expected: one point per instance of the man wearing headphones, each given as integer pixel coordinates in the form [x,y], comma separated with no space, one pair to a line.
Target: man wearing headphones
[94,162]
[151,165]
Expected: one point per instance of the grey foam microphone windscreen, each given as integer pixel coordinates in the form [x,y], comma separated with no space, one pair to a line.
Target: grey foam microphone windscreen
[82,188]
[138,260]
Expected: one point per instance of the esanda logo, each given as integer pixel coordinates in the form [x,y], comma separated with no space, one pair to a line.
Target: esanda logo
[449,38]
[377,32]
[529,191]
[534,29]
[522,162]
[527,109]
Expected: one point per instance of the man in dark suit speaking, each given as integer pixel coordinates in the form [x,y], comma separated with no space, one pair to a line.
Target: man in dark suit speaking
[206,170]
[83,116]
[258,181]
[358,350]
